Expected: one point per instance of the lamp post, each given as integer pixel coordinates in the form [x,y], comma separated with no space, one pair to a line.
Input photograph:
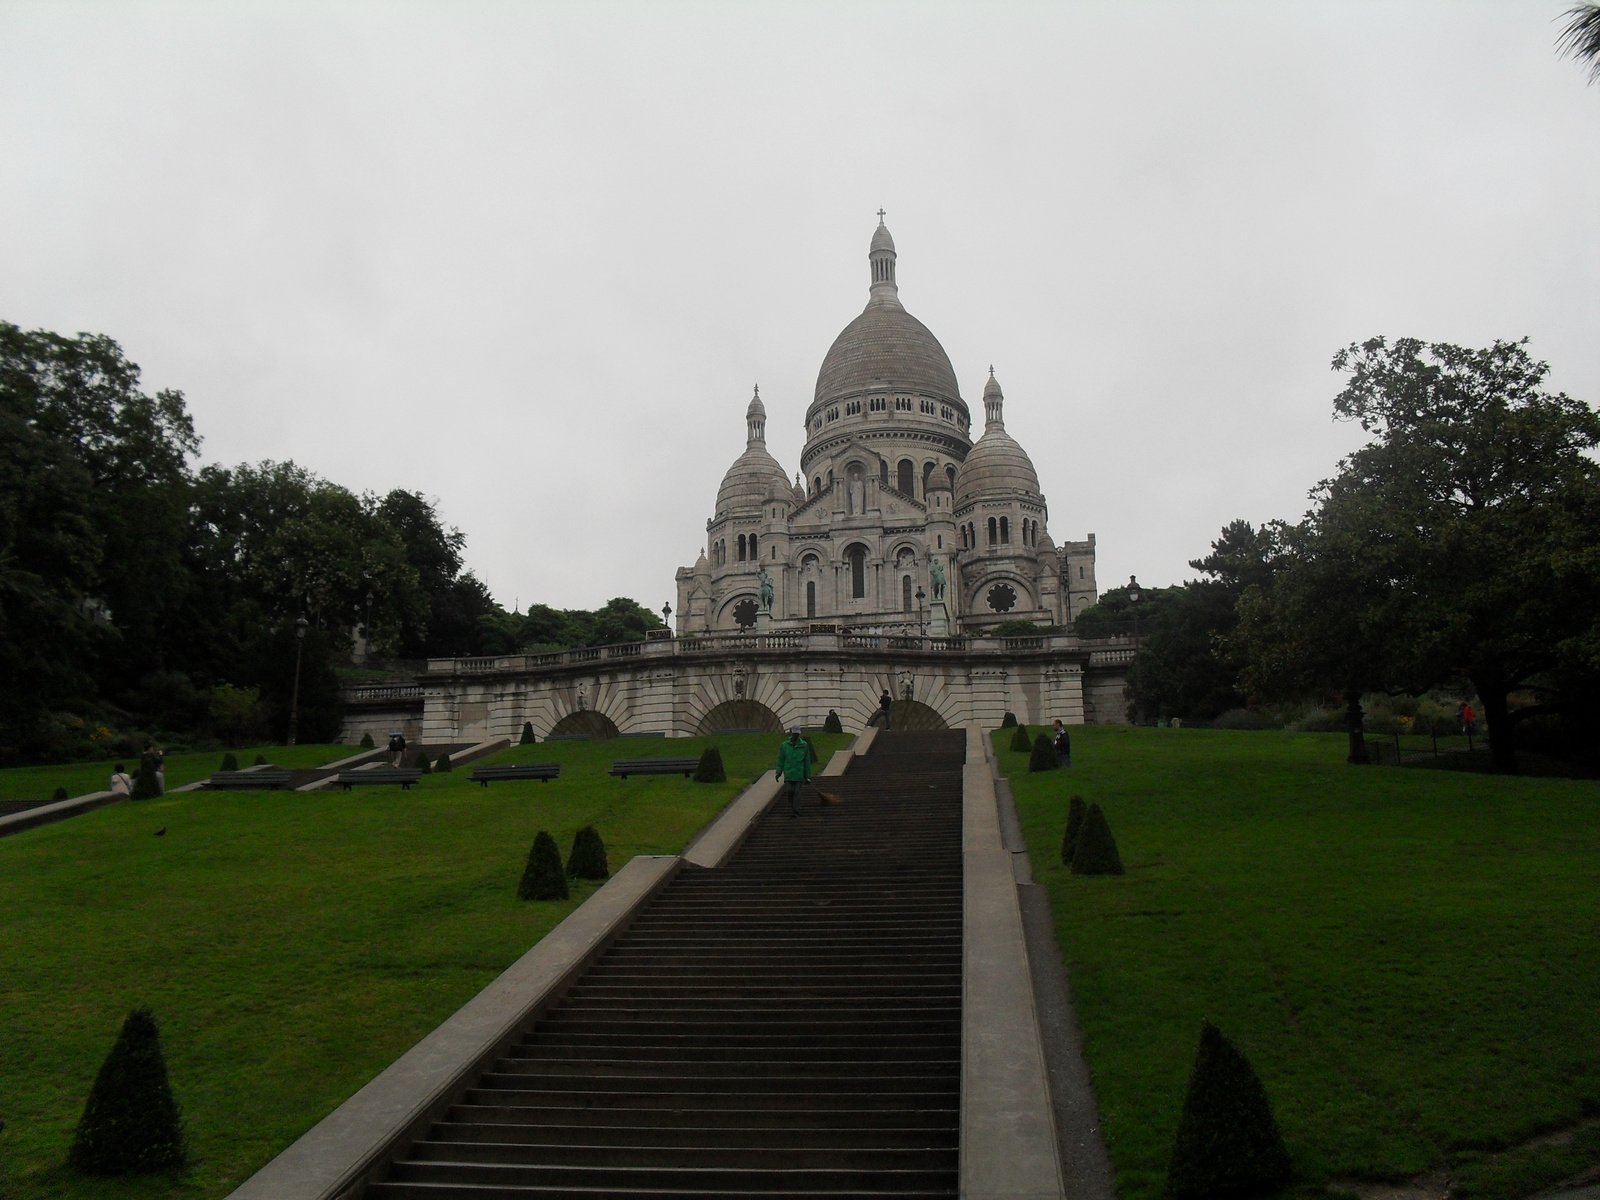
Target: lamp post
[666,616]
[366,630]
[300,627]
[922,624]
[1133,603]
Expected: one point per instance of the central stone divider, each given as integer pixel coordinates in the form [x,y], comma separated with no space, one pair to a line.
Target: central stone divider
[780,1012]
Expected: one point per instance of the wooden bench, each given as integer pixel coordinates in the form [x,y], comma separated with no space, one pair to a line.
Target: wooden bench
[543,772]
[654,766]
[267,779]
[404,776]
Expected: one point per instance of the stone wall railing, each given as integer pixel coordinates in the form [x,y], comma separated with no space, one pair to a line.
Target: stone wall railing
[1102,651]
[381,695]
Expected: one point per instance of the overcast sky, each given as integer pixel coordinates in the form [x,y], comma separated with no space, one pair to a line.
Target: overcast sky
[529,259]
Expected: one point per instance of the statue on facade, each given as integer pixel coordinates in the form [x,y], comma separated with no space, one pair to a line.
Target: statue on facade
[936,578]
[766,590]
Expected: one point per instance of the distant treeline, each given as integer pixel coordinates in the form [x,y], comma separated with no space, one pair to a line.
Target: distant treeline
[143,597]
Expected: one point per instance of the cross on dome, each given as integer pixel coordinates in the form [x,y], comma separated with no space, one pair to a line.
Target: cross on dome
[880,216]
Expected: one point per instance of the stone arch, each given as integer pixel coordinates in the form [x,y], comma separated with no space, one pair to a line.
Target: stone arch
[744,604]
[742,715]
[977,602]
[912,714]
[855,559]
[585,722]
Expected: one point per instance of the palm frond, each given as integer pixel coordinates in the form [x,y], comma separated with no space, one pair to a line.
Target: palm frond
[1581,38]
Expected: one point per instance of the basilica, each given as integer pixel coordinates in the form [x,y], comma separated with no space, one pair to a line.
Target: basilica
[898,521]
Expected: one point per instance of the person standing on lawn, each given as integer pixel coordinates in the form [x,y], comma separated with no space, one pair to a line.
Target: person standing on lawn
[885,702]
[397,749]
[794,766]
[1063,745]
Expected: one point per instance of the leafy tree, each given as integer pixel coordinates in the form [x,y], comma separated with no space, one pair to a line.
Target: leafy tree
[1463,540]
[1581,38]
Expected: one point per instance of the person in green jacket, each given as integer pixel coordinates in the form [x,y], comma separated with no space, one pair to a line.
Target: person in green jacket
[794,766]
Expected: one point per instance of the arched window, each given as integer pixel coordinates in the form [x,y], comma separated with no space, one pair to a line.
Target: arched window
[907,479]
[963,537]
[858,572]
[927,474]
[816,485]
[905,593]
[752,547]
[811,598]
[1005,531]
[993,536]
[883,471]
[741,547]
[950,474]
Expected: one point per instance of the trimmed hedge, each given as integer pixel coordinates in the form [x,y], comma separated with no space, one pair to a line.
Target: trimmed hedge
[1228,1142]
[543,878]
[132,1122]
[230,762]
[1044,756]
[261,760]
[588,858]
[1007,721]
[60,794]
[1096,851]
[367,743]
[832,724]
[1076,810]
[527,738]
[444,763]
[421,762]
[710,769]
[1022,740]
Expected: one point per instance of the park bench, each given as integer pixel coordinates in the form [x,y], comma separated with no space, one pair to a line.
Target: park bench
[543,772]
[267,779]
[654,766]
[404,776]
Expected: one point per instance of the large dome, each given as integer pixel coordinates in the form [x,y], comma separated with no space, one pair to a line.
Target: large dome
[886,347]
[997,466]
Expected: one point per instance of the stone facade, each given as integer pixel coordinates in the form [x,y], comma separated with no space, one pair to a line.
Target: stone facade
[893,496]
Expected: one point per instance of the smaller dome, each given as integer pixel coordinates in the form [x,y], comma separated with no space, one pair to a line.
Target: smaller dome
[997,466]
[754,478]
[756,409]
[881,239]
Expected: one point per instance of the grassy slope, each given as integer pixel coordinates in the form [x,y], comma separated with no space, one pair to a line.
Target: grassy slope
[291,945]
[40,783]
[1411,959]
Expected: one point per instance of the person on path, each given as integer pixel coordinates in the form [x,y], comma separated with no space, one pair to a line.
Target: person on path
[794,766]
[397,749]
[885,702]
[121,782]
[1063,745]
[1468,719]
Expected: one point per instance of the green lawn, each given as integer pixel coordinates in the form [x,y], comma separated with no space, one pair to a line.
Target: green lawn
[291,945]
[1411,959]
[40,783]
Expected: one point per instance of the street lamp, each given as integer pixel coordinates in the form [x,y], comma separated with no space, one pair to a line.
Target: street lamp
[666,615]
[922,625]
[300,627]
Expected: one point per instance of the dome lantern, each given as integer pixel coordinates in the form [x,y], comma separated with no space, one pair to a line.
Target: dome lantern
[755,419]
[881,255]
[993,402]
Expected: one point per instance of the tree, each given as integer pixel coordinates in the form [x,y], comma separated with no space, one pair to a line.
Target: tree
[1461,541]
[1581,38]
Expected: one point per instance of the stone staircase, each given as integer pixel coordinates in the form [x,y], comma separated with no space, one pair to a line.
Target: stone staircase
[788,1024]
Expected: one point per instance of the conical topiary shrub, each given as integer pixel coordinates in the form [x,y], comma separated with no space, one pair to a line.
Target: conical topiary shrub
[710,769]
[131,1122]
[588,857]
[833,724]
[59,794]
[1076,809]
[229,762]
[527,738]
[1096,851]
[811,749]
[1021,741]
[261,760]
[145,784]
[1007,721]
[444,763]
[366,741]
[1044,756]
[543,879]
[1228,1142]
[421,762]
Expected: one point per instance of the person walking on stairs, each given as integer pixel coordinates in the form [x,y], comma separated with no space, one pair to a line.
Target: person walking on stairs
[885,702]
[794,766]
